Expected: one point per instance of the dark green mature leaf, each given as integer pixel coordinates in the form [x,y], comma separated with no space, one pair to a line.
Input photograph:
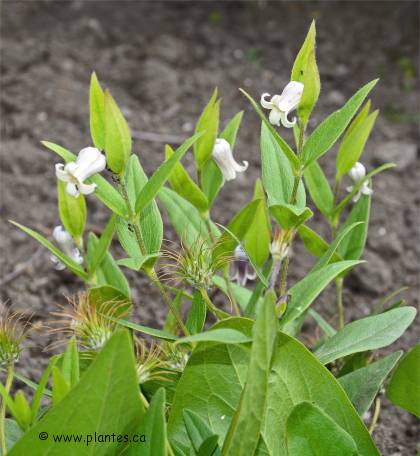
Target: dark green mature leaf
[72,265]
[312,241]
[303,293]
[327,133]
[277,173]
[351,247]
[146,330]
[153,428]
[105,401]
[311,432]
[183,184]
[208,124]
[212,382]
[244,431]
[184,217]
[305,70]
[72,211]
[199,433]
[289,216]
[137,263]
[104,190]
[288,152]
[197,314]
[162,174]
[368,333]
[319,188]
[117,136]
[97,113]
[403,389]
[362,385]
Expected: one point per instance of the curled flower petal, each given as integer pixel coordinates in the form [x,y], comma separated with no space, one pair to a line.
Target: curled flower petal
[264,103]
[222,155]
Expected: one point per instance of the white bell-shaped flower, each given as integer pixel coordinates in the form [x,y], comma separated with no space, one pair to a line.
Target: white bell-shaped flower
[222,155]
[89,162]
[356,174]
[65,242]
[282,105]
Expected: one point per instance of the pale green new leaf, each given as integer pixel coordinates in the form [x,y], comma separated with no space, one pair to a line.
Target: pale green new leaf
[197,314]
[102,246]
[368,333]
[162,174]
[72,211]
[311,432]
[97,113]
[327,133]
[117,136]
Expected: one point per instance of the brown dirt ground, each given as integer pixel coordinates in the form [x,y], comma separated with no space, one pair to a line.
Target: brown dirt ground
[161,61]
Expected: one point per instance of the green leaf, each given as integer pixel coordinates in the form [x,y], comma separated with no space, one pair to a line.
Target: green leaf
[102,246]
[97,113]
[72,211]
[184,217]
[351,247]
[153,427]
[208,124]
[303,293]
[368,333]
[352,146]
[319,188]
[60,387]
[231,129]
[215,375]
[311,432]
[328,330]
[70,367]
[105,294]
[199,433]
[327,133]
[362,385]
[146,330]
[117,136]
[104,190]
[67,261]
[143,262]
[305,70]
[105,401]
[289,216]
[40,389]
[222,335]
[312,241]
[403,389]
[277,173]
[288,152]
[22,411]
[162,174]
[197,314]
[244,431]
[13,433]
[183,184]
[108,272]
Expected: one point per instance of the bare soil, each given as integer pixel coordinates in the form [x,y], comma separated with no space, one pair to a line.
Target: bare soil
[161,60]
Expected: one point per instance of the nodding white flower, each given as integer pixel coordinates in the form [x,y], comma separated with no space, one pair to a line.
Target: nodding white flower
[89,162]
[357,173]
[64,240]
[222,154]
[281,105]
[241,269]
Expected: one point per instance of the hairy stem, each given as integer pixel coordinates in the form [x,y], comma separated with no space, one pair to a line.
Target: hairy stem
[8,385]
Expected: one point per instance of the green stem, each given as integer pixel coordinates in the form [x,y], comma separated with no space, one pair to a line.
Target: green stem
[220,314]
[153,276]
[339,287]
[375,415]
[9,380]
[283,276]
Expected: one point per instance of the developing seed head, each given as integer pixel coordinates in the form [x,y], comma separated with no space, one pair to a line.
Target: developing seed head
[194,264]
[12,334]
[150,364]
[92,323]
